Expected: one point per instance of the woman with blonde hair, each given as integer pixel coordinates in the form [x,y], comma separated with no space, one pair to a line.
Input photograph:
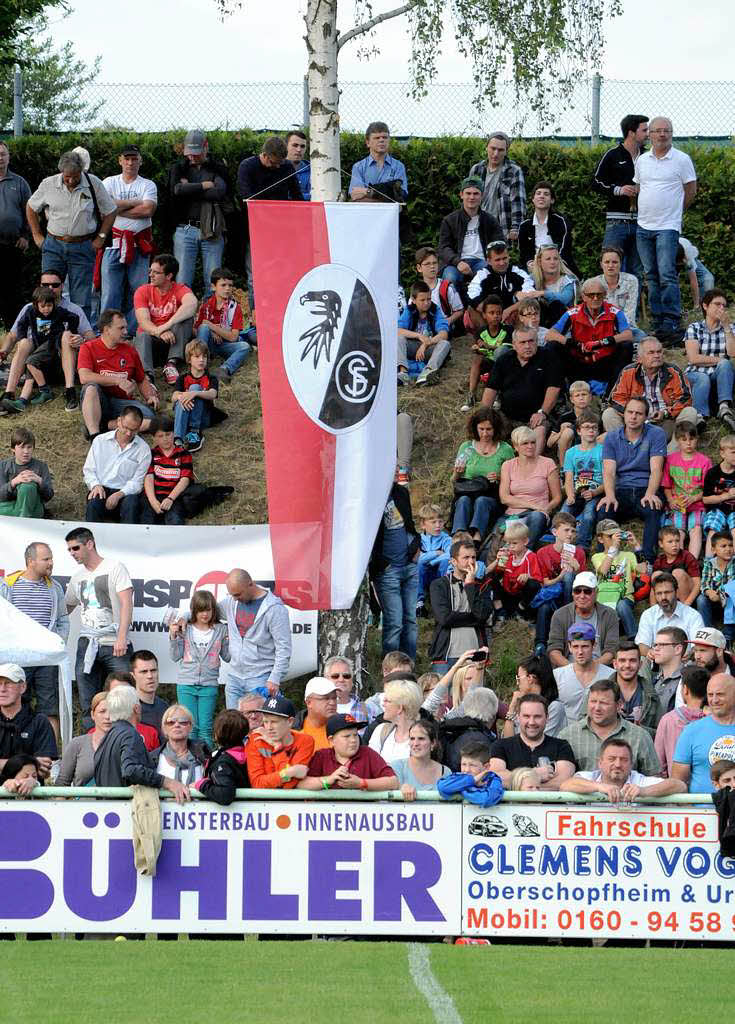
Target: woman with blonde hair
[553,284]
[77,764]
[530,487]
[401,705]
[180,758]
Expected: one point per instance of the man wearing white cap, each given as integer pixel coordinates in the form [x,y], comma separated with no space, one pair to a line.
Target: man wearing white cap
[584,607]
[667,611]
[708,651]
[22,731]
[320,697]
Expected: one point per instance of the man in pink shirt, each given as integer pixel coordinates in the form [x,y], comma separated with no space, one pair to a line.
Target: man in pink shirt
[694,691]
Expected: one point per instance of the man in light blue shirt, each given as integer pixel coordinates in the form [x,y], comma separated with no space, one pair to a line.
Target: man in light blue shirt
[709,739]
[379,167]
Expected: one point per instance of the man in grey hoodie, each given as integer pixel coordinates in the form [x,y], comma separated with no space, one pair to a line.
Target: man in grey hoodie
[260,638]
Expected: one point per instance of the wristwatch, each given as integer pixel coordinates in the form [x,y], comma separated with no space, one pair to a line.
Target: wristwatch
[102,234]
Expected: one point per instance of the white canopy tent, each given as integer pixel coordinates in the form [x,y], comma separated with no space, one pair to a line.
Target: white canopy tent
[27,644]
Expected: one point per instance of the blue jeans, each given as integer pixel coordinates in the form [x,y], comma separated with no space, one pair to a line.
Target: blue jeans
[624,608]
[537,523]
[115,277]
[629,507]
[451,273]
[127,509]
[194,419]
[545,611]
[201,701]
[427,573]
[657,250]
[397,587]
[187,243]
[240,686]
[623,234]
[585,512]
[75,259]
[475,513]
[705,278]
[701,385]
[235,352]
[89,683]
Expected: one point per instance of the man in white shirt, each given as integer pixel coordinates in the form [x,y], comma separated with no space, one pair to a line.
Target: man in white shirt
[114,470]
[667,185]
[616,779]
[667,611]
[125,264]
[103,590]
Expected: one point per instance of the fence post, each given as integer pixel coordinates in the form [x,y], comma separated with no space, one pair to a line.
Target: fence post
[595,128]
[305,104]
[17,102]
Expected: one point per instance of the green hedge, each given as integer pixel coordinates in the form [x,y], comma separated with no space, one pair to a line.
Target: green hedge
[435,168]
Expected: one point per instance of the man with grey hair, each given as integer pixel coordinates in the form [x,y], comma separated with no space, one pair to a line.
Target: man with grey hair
[341,671]
[36,593]
[593,340]
[14,194]
[667,184]
[503,185]
[79,216]
[121,758]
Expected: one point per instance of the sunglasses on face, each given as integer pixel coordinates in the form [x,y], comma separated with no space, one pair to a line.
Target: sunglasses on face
[583,590]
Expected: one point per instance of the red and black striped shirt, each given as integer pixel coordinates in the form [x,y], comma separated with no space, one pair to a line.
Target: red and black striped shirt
[167,470]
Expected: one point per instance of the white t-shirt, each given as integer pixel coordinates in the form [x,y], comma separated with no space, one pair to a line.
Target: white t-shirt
[390,750]
[541,231]
[98,594]
[691,252]
[471,245]
[201,637]
[634,779]
[142,189]
[662,181]
[571,692]
[455,303]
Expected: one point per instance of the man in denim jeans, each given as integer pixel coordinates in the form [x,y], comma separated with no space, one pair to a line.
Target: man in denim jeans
[667,185]
[197,183]
[394,571]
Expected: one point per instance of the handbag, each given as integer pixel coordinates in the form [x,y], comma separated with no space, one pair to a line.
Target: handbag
[477,486]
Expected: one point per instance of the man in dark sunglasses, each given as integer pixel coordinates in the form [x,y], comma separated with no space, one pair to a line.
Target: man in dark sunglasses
[584,608]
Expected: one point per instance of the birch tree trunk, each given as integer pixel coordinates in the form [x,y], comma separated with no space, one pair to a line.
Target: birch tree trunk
[321,48]
[345,632]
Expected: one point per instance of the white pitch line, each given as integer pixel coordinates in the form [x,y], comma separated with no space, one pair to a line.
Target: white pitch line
[440,1002]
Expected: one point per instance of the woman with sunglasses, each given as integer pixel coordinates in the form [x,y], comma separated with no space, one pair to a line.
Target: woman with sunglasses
[535,675]
[552,283]
[530,487]
[180,758]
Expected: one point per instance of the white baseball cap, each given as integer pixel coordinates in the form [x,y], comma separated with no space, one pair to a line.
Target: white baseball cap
[585,579]
[9,670]
[318,686]
[710,638]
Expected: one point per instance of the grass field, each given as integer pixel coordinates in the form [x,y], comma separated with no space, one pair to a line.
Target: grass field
[379,982]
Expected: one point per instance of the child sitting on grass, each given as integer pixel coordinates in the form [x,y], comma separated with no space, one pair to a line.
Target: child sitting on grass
[474,781]
[717,572]
[494,337]
[583,477]
[567,434]
[169,474]
[616,567]
[423,334]
[25,482]
[519,575]
[220,325]
[719,493]
[679,562]
[194,394]
[683,484]
[42,327]
[444,294]
[434,557]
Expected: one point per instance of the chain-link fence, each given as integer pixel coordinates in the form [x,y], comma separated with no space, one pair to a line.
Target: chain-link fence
[698,109]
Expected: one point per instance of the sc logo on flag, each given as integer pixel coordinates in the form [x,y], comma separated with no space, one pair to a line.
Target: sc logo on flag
[332,347]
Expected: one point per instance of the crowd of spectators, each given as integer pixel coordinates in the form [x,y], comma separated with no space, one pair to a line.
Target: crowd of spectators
[581,503]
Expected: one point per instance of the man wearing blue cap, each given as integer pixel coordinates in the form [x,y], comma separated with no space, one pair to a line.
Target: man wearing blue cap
[277,757]
[574,679]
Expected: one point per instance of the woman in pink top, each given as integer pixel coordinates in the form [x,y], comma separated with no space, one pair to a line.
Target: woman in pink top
[530,487]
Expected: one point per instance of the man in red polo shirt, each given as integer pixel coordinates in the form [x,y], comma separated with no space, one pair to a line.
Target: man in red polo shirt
[345,764]
[594,340]
[165,311]
[111,372]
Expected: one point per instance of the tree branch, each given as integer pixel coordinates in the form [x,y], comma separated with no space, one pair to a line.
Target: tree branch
[359,30]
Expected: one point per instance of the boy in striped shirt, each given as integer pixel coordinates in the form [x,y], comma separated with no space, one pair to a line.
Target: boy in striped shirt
[169,474]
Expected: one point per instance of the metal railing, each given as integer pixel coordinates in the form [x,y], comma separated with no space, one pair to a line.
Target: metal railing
[697,109]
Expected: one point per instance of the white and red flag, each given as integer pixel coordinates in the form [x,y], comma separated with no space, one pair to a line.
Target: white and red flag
[325,277]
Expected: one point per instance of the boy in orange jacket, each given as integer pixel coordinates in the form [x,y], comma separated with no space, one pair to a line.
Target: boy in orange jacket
[277,757]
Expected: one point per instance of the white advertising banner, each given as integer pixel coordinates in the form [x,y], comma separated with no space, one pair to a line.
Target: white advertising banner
[595,871]
[166,564]
[255,866]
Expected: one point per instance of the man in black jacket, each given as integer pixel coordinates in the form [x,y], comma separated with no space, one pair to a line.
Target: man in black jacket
[465,234]
[22,731]
[461,607]
[545,227]
[614,180]
[198,185]
[394,572]
[121,758]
